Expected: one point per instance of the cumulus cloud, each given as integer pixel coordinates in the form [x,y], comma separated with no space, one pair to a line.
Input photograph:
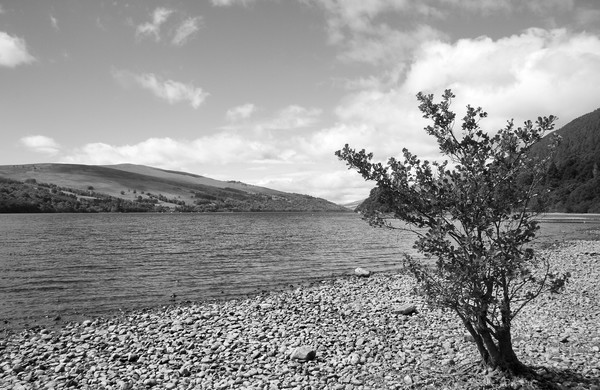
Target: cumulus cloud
[238,113]
[186,30]
[220,148]
[13,51]
[533,73]
[41,144]
[159,16]
[168,90]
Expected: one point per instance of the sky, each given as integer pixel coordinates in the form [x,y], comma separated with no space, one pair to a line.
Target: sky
[265,91]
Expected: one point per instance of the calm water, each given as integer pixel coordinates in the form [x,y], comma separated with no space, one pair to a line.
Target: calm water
[69,264]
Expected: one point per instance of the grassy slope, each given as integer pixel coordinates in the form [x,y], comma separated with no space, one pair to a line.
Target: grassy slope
[113,179]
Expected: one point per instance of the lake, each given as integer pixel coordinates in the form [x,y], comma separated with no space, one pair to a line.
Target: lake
[70,265]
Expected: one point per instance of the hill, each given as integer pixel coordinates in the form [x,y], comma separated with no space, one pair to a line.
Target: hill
[572,177]
[572,181]
[124,187]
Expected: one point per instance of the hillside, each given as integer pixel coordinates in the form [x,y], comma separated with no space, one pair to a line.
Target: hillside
[126,186]
[573,177]
[572,181]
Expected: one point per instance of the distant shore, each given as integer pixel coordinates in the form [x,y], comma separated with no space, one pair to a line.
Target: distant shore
[353,325]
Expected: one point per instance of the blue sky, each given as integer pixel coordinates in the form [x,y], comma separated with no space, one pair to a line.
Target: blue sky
[265,91]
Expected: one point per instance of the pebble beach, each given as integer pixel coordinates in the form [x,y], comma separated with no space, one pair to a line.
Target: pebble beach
[346,333]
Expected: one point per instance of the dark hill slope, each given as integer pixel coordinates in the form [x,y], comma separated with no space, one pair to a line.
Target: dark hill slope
[573,177]
[136,183]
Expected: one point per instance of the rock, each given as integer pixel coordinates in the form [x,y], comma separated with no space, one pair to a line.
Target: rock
[17,368]
[406,310]
[408,380]
[354,358]
[362,272]
[303,353]
[122,385]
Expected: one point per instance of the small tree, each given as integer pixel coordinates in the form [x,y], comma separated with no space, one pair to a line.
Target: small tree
[472,215]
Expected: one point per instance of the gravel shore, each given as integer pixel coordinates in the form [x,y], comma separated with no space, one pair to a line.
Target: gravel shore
[352,331]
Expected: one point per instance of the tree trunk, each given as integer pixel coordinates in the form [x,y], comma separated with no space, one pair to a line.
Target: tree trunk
[496,351]
[508,360]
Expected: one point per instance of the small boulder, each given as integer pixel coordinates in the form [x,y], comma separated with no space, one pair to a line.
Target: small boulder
[362,272]
[406,310]
[354,358]
[303,353]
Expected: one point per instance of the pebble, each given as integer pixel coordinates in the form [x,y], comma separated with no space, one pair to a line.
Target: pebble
[350,332]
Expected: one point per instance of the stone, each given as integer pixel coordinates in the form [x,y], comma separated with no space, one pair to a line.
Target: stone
[17,368]
[303,353]
[122,385]
[406,310]
[362,272]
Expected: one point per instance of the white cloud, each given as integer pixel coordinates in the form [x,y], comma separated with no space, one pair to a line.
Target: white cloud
[220,148]
[227,3]
[41,144]
[288,118]
[159,16]
[168,90]
[13,51]
[537,72]
[186,30]
[384,45]
[292,117]
[54,22]
[238,113]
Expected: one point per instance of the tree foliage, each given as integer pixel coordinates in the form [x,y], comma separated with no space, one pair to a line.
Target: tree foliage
[474,218]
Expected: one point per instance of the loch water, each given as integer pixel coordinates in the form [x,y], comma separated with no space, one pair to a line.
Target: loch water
[69,265]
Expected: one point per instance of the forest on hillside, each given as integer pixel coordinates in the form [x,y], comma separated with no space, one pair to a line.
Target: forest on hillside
[33,197]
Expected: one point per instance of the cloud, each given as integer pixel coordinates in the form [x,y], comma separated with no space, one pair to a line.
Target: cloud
[159,16]
[288,118]
[13,51]
[537,72]
[168,90]
[522,76]
[54,22]
[186,30]
[292,117]
[220,148]
[41,144]
[384,45]
[238,113]
[227,3]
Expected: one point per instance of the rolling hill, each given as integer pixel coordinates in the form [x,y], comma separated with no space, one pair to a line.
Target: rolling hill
[143,185]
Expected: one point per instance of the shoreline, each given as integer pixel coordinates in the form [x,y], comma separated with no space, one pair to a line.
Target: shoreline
[355,326]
